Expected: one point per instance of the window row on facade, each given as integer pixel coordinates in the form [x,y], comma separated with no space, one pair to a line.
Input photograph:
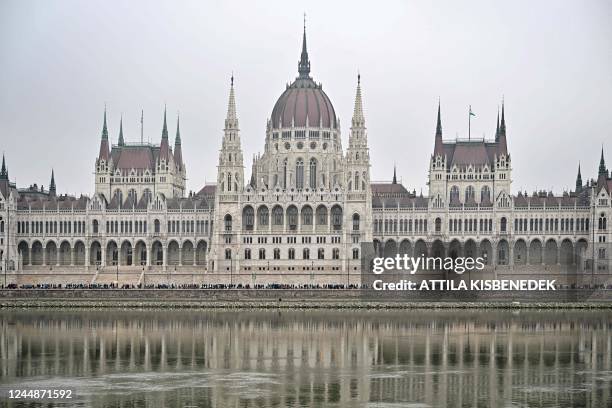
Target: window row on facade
[291,254]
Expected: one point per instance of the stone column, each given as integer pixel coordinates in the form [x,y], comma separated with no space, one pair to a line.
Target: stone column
[103,255]
[72,256]
[165,256]
[180,256]
[87,261]
[149,254]
[511,253]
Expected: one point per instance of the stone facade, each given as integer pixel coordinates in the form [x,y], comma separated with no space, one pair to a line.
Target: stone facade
[304,212]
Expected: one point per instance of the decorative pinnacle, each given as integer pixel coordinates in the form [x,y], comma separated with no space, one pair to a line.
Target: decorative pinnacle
[165,129]
[304,63]
[121,141]
[358,116]
[231,121]
[104,127]
[177,140]
[439,122]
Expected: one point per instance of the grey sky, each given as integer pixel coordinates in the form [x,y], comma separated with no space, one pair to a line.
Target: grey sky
[62,60]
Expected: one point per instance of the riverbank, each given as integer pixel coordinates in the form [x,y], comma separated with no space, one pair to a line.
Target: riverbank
[300,299]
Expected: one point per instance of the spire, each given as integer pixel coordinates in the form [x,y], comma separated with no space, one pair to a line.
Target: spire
[164,149]
[438,148]
[121,141]
[231,121]
[497,127]
[52,190]
[602,164]
[104,153]
[394,175]
[501,136]
[104,128]
[358,117]
[439,123]
[502,126]
[178,152]
[4,170]
[165,129]
[578,180]
[177,139]
[304,64]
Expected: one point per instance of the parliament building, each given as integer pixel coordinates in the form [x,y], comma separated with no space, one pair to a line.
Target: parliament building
[302,213]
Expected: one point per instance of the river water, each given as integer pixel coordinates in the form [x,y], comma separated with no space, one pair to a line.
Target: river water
[253,358]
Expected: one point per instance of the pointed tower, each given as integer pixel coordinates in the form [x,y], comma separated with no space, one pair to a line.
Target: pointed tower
[358,174]
[104,164]
[230,169]
[178,151]
[121,142]
[394,175]
[501,139]
[438,147]
[579,180]
[52,189]
[358,153]
[497,127]
[104,147]
[164,148]
[4,171]
[304,63]
[437,165]
[602,165]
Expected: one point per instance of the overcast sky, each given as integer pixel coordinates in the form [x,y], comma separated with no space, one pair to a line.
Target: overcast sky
[61,61]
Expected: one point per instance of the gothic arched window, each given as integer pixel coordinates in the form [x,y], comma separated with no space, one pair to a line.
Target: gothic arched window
[313,173]
[248,218]
[485,194]
[263,214]
[602,224]
[336,214]
[454,195]
[469,193]
[299,174]
[307,215]
[228,223]
[277,215]
[292,217]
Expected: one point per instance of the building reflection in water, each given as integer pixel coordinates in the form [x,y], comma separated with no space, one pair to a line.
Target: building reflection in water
[291,358]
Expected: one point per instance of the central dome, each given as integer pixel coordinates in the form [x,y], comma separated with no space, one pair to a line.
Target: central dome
[303,104]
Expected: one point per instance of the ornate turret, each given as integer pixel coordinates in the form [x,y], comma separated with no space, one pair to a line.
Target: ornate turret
[394,175]
[231,171]
[358,154]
